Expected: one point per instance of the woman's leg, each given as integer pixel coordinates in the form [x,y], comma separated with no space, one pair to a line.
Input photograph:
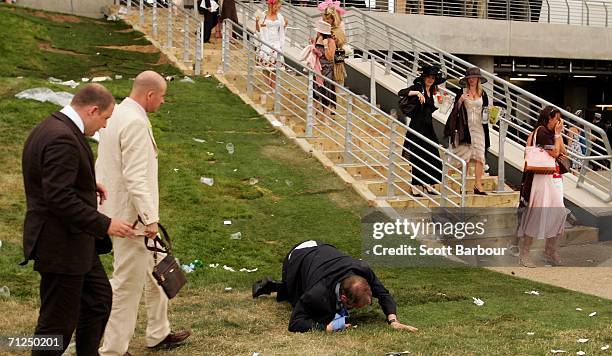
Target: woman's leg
[478,172]
[525,257]
[550,251]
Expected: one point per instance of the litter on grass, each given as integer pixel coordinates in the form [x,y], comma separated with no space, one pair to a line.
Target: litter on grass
[236,236]
[478,301]
[227,222]
[207,181]
[186,79]
[199,140]
[213,265]
[100,79]
[248,270]
[582,341]
[228,268]
[579,309]
[253,181]
[558,351]
[533,292]
[46,95]
[604,348]
[227,289]
[593,314]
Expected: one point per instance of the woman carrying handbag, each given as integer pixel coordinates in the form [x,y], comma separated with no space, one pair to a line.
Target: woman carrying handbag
[543,210]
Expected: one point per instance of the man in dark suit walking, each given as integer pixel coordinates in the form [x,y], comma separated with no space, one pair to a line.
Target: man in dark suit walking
[322,284]
[63,230]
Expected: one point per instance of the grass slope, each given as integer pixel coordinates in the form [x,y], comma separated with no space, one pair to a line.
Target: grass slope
[295,199]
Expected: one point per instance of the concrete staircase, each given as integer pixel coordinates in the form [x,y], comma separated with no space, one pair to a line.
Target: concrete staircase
[328,142]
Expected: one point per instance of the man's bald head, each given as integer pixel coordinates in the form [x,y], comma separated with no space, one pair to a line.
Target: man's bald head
[149,90]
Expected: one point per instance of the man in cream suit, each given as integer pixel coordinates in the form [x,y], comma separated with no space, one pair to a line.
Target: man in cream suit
[127,166]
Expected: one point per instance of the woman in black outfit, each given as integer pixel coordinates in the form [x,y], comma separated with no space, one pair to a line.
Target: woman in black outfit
[417,102]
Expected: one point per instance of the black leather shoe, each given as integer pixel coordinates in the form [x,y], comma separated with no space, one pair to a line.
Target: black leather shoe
[172,340]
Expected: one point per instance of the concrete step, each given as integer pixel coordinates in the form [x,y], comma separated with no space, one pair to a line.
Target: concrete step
[380,187]
[501,200]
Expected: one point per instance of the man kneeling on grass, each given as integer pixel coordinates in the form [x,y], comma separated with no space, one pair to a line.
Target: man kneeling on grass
[322,284]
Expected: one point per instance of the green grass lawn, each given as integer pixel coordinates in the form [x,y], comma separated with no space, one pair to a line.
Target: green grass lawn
[295,199]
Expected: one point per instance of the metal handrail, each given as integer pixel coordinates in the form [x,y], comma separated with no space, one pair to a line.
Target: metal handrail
[507,10]
[365,33]
[177,20]
[364,129]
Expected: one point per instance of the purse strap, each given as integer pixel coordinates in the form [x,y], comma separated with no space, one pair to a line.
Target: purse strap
[165,244]
[534,137]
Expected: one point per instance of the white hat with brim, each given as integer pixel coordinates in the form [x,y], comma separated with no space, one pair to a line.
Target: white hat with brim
[323,27]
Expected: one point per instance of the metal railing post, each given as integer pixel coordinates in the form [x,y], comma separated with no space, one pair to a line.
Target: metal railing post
[568,11]
[501,164]
[507,9]
[224,47]
[277,86]
[154,19]
[444,183]
[198,51]
[244,29]
[366,38]
[585,162]
[373,83]
[606,10]
[548,11]
[348,140]
[588,12]
[310,104]
[391,165]
[170,23]
[141,12]
[186,40]
[389,52]
[250,68]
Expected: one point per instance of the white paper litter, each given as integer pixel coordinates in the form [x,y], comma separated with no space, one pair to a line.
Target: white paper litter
[579,309]
[84,80]
[0,243]
[213,265]
[276,123]
[210,153]
[478,301]
[593,314]
[533,292]
[530,333]
[176,169]
[207,76]
[68,83]
[255,354]
[236,170]
[253,181]
[604,348]
[228,268]
[100,79]
[227,222]
[118,77]
[199,140]
[46,95]
[581,353]
[186,79]
[248,270]
[582,341]
[227,289]
[207,181]
[236,236]
[558,351]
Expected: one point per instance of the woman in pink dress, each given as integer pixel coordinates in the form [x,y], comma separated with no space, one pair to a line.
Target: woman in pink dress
[542,194]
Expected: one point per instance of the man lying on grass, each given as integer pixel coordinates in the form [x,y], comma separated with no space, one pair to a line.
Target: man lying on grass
[322,284]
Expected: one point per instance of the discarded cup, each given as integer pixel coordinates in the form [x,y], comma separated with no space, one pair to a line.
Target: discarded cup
[478,301]
[197,264]
[5,292]
[236,236]
[230,148]
[207,181]
[253,181]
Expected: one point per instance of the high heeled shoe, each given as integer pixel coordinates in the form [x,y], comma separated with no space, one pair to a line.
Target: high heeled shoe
[479,192]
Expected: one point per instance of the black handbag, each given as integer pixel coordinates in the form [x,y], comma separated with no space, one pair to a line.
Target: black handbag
[409,105]
[167,272]
[339,56]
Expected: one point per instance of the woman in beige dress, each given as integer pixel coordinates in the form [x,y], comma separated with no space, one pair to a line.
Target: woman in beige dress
[471,144]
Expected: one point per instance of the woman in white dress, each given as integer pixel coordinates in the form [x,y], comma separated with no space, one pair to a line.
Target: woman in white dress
[468,131]
[271,28]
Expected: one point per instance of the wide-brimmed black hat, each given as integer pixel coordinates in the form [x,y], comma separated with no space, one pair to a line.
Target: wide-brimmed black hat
[426,70]
[473,72]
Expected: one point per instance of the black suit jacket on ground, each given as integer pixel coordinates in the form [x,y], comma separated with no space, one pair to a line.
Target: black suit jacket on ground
[63,230]
[311,276]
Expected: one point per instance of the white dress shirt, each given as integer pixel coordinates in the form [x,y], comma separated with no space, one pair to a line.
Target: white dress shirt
[74,116]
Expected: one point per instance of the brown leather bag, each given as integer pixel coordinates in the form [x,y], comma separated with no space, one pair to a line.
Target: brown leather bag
[167,272]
